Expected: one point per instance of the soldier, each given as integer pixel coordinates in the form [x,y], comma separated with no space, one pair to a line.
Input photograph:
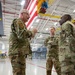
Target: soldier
[19,45]
[52,53]
[67,46]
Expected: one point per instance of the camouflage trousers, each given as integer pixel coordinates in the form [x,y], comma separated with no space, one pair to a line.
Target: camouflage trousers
[49,64]
[18,64]
[67,61]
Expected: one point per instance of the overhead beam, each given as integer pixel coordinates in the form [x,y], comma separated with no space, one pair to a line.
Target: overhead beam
[49,15]
[52,16]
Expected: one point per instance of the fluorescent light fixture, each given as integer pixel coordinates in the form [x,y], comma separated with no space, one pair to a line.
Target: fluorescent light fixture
[31,26]
[41,36]
[46,28]
[73,10]
[23,2]
[55,23]
[37,20]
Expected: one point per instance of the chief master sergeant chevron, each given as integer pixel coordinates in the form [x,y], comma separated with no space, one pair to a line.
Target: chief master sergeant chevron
[19,44]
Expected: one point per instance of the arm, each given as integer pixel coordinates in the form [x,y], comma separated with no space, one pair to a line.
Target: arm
[69,30]
[46,41]
[21,30]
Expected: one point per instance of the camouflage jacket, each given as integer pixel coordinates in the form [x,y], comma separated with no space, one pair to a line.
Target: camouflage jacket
[52,46]
[67,41]
[19,37]
[67,34]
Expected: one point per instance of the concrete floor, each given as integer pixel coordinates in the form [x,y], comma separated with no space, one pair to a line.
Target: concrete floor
[33,67]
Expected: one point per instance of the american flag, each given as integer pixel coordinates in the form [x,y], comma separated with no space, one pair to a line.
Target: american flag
[32,7]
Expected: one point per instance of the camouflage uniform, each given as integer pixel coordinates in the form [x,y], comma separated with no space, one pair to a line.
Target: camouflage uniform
[19,46]
[67,49]
[52,55]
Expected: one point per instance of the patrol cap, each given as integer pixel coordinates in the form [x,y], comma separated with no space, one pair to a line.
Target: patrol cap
[24,11]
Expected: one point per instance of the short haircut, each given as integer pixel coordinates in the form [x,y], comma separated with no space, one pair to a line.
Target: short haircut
[68,16]
[24,11]
[52,28]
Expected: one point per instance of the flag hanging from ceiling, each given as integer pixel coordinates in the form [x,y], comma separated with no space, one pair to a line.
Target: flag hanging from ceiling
[32,7]
[44,7]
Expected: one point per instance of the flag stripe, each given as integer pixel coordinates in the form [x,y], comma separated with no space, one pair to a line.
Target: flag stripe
[33,8]
[30,4]
[31,22]
[35,14]
[32,14]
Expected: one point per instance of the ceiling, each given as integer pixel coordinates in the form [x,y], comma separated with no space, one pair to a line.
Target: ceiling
[43,23]
[11,10]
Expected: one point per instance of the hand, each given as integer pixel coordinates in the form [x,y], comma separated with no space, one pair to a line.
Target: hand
[34,30]
[49,42]
[30,56]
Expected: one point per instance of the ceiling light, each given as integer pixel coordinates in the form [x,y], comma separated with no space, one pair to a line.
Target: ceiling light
[23,2]
[46,28]
[55,23]
[73,10]
[31,26]
[37,20]
[41,36]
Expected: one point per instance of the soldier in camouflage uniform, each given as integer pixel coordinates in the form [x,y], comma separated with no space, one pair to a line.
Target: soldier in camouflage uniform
[52,53]
[67,46]
[19,45]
